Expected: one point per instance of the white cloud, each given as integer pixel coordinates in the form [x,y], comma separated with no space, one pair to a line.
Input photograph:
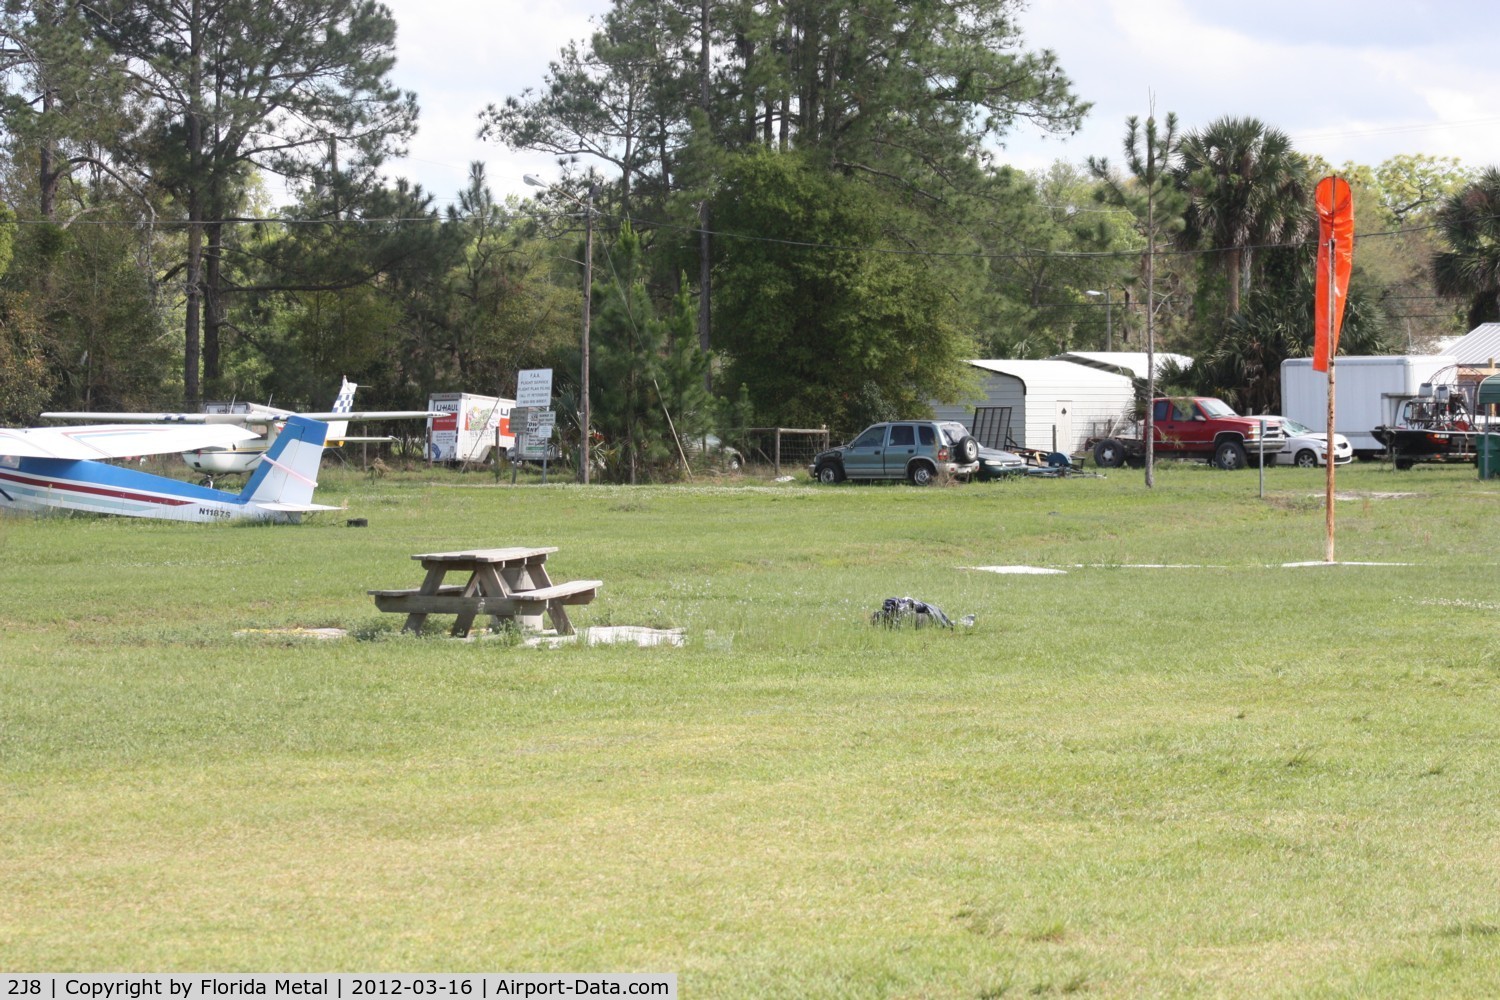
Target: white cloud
[1355,80]
[461,55]
[1347,80]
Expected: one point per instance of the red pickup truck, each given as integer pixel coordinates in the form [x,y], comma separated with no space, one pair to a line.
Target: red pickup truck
[1194,427]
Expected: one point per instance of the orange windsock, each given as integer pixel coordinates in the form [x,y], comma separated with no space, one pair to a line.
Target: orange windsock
[1335,259]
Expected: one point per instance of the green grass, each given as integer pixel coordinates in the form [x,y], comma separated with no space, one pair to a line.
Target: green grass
[1228,778]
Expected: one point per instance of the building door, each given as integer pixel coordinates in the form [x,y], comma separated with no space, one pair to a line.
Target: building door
[1062,427]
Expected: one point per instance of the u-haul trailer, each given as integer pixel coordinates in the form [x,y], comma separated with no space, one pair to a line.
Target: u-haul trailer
[466,426]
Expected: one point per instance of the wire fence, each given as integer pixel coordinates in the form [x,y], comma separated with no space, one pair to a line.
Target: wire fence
[785,449]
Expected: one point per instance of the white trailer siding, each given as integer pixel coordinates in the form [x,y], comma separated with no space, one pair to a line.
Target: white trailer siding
[1369,389]
[1055,405]
[995,390]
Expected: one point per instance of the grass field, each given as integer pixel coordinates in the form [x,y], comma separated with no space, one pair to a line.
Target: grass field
[1221,776]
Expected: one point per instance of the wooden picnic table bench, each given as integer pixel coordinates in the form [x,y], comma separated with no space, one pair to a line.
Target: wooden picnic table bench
[508,584]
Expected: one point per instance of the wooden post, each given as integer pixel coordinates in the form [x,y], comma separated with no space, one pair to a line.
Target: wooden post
[588,299]
[1328,444]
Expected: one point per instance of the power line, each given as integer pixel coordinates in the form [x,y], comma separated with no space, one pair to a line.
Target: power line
[1022,254]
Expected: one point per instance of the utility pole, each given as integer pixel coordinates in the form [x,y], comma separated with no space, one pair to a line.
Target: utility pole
[704,270]
[1109,324]
[588,297]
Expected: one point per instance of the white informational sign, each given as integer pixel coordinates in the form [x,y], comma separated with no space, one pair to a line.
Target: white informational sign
[534,388]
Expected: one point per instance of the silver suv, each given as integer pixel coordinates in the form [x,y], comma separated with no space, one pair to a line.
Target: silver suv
[914,450]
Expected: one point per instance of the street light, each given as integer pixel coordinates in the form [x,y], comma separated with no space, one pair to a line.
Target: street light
[588,295]
[1109,326]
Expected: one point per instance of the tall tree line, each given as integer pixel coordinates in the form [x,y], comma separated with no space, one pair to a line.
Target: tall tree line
[820,187]
[174,110]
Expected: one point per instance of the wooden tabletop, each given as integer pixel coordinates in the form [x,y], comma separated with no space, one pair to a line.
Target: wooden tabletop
[515,554]
[506,584]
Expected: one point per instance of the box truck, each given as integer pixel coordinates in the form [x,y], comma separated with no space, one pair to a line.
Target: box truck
[466,425]
[1370,392]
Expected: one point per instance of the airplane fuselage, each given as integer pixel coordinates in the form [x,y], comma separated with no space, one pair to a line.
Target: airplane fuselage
[237,460]
[38,484]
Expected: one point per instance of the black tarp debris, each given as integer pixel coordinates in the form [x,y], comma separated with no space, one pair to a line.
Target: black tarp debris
[897,611]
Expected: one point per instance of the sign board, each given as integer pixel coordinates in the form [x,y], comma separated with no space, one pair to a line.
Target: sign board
[534,388]
[542,420]
[531,439]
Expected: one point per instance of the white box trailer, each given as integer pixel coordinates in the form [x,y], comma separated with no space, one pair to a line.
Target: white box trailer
[465,430]
[1370,390]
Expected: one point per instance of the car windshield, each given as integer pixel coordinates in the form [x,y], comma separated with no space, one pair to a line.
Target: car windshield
[1216,408]
[1292,427]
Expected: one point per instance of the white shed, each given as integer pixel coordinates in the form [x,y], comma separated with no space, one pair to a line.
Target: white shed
[1480,346]
[1052,405]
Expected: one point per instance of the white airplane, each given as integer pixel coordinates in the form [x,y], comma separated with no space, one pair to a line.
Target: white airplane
[243,456]
[60,468]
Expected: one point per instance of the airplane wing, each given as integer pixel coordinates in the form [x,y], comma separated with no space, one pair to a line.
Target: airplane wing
[374,415]
[160,418]
[116,440]
[258,415]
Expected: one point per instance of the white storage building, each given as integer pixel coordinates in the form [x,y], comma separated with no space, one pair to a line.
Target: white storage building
[1124,362]
[1045,405]
[1479,347]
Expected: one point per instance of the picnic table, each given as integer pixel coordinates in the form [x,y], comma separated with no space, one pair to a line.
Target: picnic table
[509,585]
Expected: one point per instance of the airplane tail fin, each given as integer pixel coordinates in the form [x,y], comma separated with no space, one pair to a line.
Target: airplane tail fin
[288,473]
[343,404]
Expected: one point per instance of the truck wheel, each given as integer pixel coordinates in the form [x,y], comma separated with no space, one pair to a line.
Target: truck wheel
[1306,459]
[967,450]
[1230,455]
[1109,454]
[921,474]
[830,473]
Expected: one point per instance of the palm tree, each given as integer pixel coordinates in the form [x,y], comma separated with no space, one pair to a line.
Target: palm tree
[1246,187]
[1469,223]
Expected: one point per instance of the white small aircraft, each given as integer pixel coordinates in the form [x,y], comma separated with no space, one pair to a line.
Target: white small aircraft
[243,456]
[59,468]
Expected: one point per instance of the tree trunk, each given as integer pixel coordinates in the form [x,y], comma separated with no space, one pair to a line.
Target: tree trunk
[190,345]
[213,304]
[47,171]
[190,349]
[1232,259]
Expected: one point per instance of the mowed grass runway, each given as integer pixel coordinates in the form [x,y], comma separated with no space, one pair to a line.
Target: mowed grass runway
[1177,767]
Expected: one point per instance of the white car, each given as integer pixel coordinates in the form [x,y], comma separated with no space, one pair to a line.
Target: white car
[718,453]
[1308,448]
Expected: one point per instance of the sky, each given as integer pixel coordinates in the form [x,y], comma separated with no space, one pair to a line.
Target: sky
[1359,80]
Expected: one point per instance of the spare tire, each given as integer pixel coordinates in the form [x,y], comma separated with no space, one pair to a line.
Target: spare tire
[1109,454]
[967,450]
